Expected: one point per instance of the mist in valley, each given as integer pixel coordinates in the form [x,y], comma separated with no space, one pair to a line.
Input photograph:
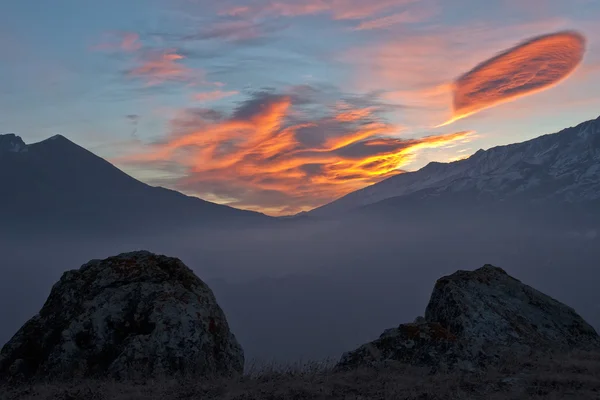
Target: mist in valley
[310,289]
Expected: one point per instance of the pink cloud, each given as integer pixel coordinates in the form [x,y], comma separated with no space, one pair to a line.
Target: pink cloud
[236,11]
[417,69]
[119,41]
[159,66]
[150,64]
[214,95]
[338,9]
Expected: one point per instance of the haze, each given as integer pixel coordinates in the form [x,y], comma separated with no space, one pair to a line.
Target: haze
[312,290]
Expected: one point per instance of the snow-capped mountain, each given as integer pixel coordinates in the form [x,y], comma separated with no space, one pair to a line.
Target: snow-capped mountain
[559,167]
[58,186]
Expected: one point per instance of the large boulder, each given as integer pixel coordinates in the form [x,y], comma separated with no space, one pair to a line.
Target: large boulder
[496,312]
[134,315]
[474,319]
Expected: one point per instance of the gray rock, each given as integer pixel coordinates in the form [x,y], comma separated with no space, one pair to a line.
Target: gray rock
[419,343]
[496,312]
[473,319]
[133,315]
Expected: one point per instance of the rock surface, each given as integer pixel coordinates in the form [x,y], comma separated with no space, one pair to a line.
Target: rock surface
[421,343]
[133,315]
[474,318]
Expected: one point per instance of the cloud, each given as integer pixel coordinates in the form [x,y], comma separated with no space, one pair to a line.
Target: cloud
[244,24]
[205,97]
[530,67]
[237,30]
[338,9]
[158,66]
[122,41]
[404,17]
[418,68]
[149,61]
[268,155]
[134,120]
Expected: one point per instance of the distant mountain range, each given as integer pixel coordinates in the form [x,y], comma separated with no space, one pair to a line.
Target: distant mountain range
[555,170]
[56,186]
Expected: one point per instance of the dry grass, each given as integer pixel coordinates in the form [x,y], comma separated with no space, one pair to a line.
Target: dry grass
[572,376]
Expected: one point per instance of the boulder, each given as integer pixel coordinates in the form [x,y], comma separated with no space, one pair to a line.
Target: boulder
[496,312]
[474,319]
[419,343]
[130,316]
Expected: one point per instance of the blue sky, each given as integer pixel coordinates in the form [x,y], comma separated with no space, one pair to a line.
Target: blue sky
[278,105]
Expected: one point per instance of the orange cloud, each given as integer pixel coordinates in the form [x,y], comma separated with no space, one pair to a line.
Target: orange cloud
[153,64]
[214,95]
[261,158]
[347,113]
[417,69]
[160,66]
[528,68]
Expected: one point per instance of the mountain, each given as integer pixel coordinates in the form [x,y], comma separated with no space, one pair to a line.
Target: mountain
[560,169]
[11,143]
[57,186]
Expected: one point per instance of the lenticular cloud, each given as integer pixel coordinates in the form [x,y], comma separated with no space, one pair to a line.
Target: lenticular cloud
[530,67]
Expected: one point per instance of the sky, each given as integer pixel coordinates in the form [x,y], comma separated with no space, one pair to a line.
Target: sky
[281,106]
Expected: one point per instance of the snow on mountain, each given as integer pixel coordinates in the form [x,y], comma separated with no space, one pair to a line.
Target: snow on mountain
[563,166]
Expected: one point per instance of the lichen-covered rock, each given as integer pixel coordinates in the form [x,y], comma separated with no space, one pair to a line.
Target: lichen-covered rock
[496,312]
[473,319]
[419,343]
[134,315]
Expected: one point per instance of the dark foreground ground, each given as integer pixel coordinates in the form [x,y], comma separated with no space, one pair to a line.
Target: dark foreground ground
[572,376]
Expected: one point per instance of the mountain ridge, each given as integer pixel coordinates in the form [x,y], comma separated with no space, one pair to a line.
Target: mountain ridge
[502,171]
[57,182]
[10,142]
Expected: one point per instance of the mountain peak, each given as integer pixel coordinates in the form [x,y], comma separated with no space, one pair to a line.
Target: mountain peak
[557,167]
[55,138]
[11,143]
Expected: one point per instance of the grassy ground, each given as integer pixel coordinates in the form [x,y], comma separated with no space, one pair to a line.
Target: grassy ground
[572,376]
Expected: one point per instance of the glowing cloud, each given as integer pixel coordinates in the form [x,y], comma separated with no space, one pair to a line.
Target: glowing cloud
[530,67]
[160,66]
[264,158]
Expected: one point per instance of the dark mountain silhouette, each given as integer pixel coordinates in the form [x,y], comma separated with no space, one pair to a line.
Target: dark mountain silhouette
[55,185]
